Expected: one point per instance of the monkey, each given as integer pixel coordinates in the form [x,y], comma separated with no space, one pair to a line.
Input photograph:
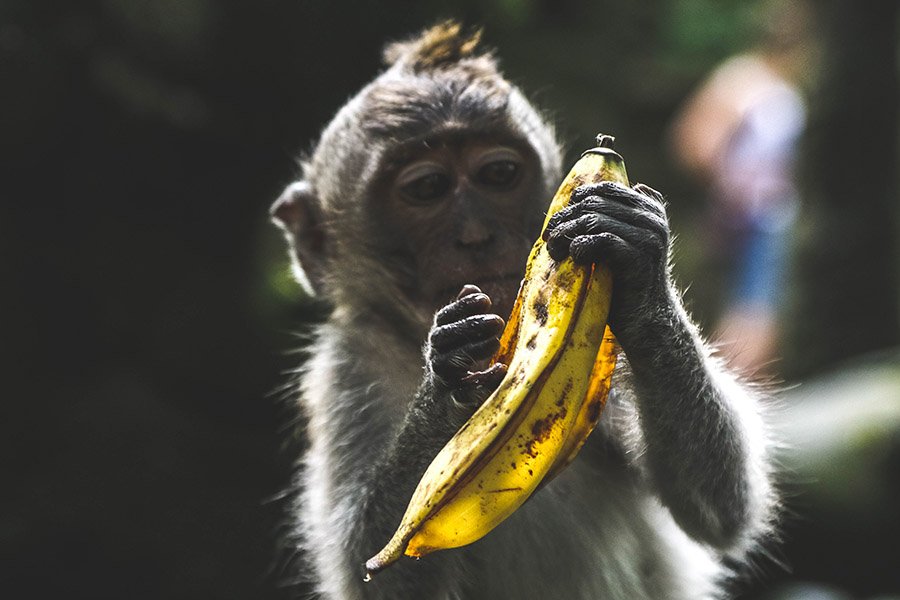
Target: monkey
[412,219]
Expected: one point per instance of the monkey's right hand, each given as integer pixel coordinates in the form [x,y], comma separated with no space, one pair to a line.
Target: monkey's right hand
[464,336]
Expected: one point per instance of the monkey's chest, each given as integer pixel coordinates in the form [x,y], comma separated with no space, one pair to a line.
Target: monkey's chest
[586,535]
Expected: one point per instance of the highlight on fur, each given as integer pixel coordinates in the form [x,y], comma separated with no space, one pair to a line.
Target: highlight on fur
[444,44]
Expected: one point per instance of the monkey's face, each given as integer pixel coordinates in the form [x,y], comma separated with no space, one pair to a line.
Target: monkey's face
[462,212]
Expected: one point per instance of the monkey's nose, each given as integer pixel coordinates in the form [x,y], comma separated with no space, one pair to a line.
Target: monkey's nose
[475,235]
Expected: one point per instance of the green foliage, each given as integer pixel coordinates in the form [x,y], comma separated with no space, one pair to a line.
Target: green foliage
[707,29]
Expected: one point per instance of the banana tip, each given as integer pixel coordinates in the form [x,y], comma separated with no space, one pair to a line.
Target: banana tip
[374,566]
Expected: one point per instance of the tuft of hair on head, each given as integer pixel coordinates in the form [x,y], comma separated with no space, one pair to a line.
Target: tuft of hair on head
[444,44]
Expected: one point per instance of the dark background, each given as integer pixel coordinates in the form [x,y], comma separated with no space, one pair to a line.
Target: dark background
[148,318]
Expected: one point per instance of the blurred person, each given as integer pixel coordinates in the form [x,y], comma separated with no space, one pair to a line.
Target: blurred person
[739,133]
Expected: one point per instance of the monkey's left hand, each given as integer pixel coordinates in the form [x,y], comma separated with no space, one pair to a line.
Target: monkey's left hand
[464,335]
[627,230]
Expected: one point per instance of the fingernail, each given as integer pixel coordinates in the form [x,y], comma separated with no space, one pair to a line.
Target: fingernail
[467,290]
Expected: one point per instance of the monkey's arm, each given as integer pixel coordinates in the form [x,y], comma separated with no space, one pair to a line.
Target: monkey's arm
[464,335]
[705,448]
[705,445]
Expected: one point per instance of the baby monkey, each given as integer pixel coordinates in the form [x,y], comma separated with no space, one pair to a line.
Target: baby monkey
[413,220]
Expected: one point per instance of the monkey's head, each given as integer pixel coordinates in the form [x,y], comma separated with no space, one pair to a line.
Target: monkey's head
[434,175]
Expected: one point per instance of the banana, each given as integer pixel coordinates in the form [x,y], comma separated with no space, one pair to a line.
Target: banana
[560,358]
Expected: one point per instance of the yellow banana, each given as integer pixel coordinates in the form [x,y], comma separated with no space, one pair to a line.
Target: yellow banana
[560,358]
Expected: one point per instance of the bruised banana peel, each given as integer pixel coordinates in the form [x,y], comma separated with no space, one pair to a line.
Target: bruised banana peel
[560,358]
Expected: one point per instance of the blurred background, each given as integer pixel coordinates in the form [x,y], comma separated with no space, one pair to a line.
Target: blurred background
[149,323]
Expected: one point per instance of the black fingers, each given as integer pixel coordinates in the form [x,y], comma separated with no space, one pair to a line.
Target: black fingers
[475,328]
[636,216]
[482,350]
[641,199]
[561,237]
[610,189]
[471,301]
[589,214]
[647,235]
[454,365]
[613,249]
[463,335]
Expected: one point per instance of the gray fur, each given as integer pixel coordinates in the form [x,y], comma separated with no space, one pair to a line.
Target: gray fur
[674,480]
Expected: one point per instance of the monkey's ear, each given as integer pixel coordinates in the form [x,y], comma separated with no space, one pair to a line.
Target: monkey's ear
[298,212]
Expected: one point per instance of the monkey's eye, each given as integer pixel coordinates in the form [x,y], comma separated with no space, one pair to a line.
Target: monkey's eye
[499,173]
[424,183]
[496,167]
[428,188]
